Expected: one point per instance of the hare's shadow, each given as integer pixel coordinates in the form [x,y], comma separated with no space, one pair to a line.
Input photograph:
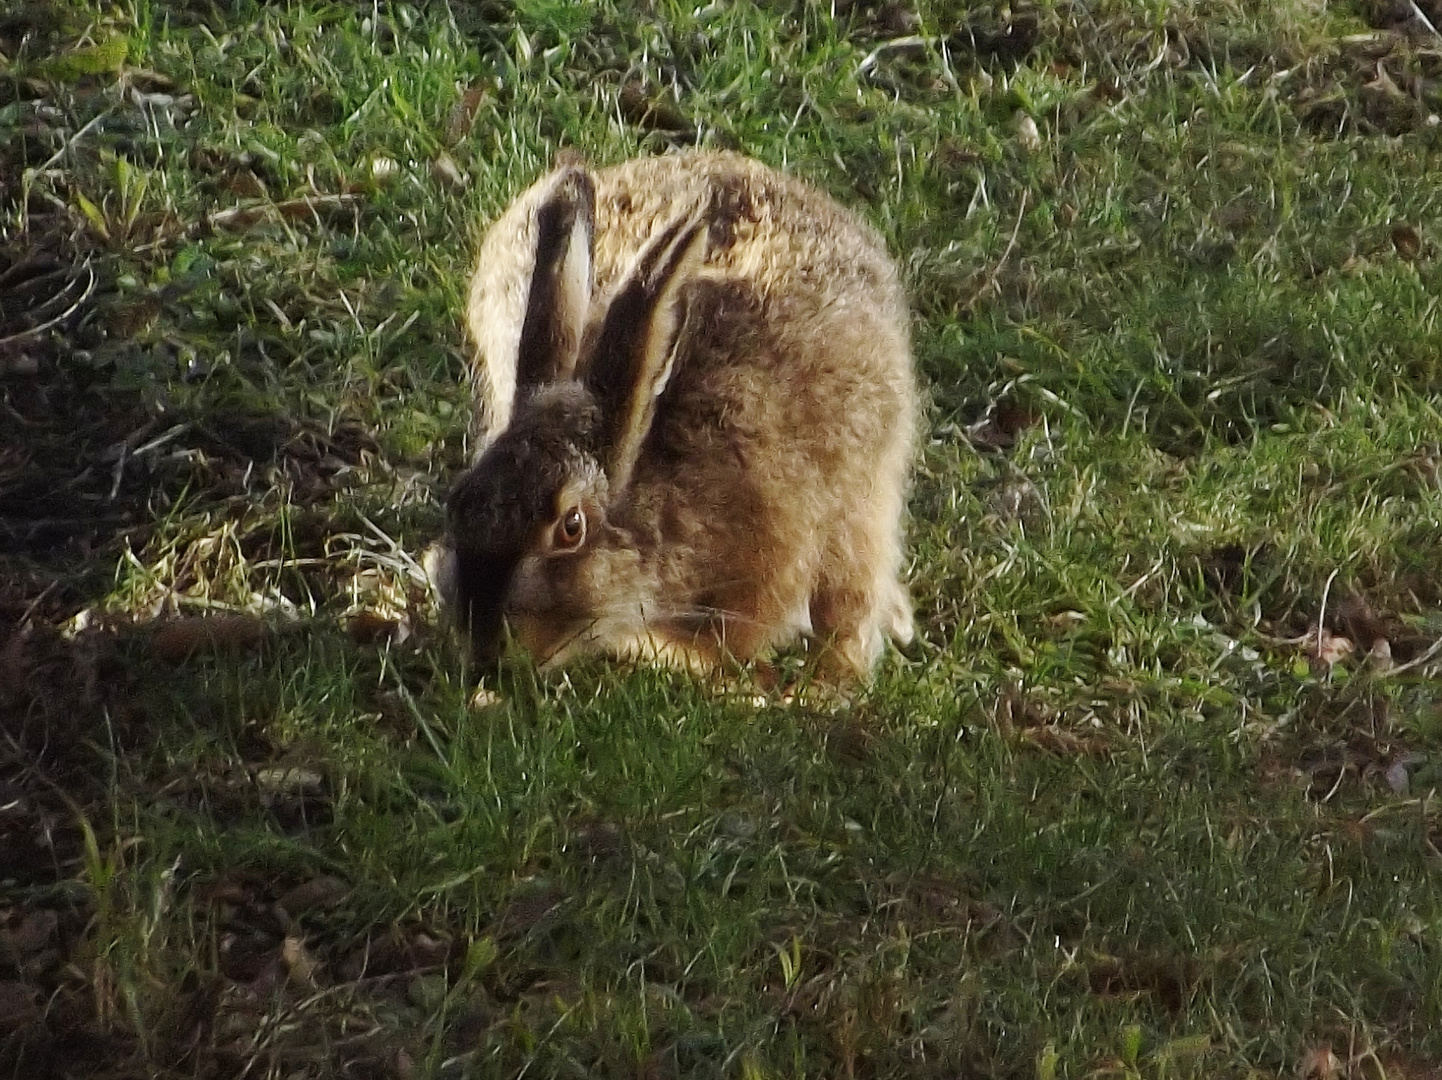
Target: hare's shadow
[96,449]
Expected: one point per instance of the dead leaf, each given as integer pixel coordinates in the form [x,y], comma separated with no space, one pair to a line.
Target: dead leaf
[463,113]
[1383,86]
[1407,241]
[1319,1063]
[529,908]
[447,172]
[180,639]
[288,780]
[1027,135]
[31,933]
[371,627]
[653,112]
[307,207]
[485,698]
[1108,90]
[850,742]
[1001,426]
[1058,740]
[245,184]
[1356,620]
[19,1005]
[321,892]
[14,665]
[298,961]
[1330,649]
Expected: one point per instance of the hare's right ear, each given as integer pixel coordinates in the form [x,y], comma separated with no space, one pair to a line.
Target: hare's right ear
[635,348]
[531,292]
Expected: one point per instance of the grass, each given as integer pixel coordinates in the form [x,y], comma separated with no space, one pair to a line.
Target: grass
[1155,794]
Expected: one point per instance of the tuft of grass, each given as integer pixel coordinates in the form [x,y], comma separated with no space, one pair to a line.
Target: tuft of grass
[1153,796]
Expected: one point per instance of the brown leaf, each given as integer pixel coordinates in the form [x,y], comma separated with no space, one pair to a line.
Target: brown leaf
[653,112]
[371,627]
[529,908]
[850,742]
[1319,1063]
[1356,619]
[29,934]
[245,184]
[1330,649]
[236,888]
[447,172]
[19,1005]
[1108,89]
[322,892]
[180,639]
[298,961]
[463,113]
[1407,240]
[304,208]
[1002,424]
[1168,979]
[14,665]
[1059,740]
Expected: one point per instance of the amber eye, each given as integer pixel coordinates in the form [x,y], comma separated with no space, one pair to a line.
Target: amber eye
[571,528]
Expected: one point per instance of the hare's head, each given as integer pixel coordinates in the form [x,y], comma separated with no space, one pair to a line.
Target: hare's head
[529,527]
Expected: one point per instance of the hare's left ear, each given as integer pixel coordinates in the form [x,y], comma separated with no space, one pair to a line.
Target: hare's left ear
[531,293]
[637,342]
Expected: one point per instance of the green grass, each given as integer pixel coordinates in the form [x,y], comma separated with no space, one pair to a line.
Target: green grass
[1115,814]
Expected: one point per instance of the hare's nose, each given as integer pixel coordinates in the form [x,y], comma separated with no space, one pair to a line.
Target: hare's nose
[482,581]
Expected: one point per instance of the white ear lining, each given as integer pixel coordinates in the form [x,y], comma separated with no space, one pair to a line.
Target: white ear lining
[573,288]
[668,323]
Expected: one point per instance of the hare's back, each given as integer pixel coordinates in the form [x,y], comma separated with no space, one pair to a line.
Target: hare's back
[774,232]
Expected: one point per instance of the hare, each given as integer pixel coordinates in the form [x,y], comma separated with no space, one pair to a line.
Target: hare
[696,408]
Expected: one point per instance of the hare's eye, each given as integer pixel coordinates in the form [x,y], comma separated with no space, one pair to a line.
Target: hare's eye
[571,529]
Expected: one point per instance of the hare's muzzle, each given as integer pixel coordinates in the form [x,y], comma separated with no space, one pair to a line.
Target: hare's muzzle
[483,579]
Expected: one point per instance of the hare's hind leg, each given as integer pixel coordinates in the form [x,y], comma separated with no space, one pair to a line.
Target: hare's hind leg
[859,601]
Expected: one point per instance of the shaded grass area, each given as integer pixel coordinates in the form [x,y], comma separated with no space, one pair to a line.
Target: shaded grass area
[1153,796]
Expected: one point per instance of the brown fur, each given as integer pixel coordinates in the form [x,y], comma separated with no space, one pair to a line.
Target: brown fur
[764,499]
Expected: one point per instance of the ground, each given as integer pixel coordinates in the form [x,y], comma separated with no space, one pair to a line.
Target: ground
[1154,794]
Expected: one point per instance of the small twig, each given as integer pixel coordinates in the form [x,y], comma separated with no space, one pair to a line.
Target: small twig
[34,605]
[161,439]
[58,319]
[1421,16]
[117,472]
[991,279]
[910,44]
[30,174]
[414,708]
[1418,661]
[242,217]
[1322,613]
[416,570]
[28,177]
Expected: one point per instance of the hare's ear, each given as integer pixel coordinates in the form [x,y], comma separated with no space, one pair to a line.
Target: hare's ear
[638,339]
[531,291]
[560,292]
